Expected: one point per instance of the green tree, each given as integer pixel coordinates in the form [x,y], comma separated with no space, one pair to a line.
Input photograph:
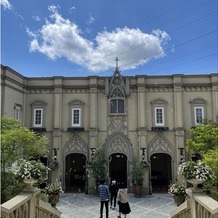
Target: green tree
[204,138]
[211,159]
[98,166]
[17,142]
[204,143]
[138,171]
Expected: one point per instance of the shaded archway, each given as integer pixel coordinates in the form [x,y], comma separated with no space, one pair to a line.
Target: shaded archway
[75,172]
[161,171]
[118,167]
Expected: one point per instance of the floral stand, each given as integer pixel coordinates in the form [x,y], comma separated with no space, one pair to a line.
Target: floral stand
[29,185]
[53,199]
[179,199]
[195,183]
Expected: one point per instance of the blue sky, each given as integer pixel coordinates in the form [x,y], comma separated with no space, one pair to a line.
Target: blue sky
[83,37]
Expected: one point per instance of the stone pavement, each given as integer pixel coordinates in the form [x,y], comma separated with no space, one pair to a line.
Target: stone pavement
[80,205]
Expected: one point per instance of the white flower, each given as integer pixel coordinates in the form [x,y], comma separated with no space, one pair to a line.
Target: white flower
[30,169]
[195,170]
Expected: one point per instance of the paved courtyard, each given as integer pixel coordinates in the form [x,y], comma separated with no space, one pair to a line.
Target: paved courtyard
[80,205]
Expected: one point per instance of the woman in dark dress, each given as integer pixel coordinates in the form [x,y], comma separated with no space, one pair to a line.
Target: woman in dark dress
[123,201]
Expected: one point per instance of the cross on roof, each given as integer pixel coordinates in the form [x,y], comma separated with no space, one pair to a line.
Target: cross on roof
[117,59]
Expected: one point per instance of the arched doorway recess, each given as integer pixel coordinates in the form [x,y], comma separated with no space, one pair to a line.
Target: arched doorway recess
[119,144]
[75,156]
[161,172]
[75,172]
[118,167]
[161,154]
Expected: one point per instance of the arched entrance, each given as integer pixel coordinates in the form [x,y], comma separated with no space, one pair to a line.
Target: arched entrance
[75,172]
[118,167]
[161,172]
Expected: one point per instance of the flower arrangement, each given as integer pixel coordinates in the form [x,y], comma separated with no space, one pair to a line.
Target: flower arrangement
[177,190]
[53,189]
[192,170]
[25,169]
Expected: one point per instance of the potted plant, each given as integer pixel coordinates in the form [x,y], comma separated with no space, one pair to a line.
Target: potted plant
[138,170]
[178,192]
[195,172]
[53,190]
[30,172]
[54,164]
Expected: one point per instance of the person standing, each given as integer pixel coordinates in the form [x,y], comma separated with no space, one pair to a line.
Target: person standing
[113,191]
[123,201]
[104,195]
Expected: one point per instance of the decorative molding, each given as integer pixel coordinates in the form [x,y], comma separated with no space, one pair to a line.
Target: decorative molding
[198,100]
[39,91]
[117,124]
[160,145]
[159,89]
[75,91]
[56,132]
[141,89]
[38,103]
[58,90]
[118,145]
[93,90]
[93,132]
[214,88]
[142,131]
[178,88]
[197,88]
[76,145]
[159,101]
[76,102]
[180,132]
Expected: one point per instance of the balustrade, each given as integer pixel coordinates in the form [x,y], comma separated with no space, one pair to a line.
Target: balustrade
[199,205]
[28,205]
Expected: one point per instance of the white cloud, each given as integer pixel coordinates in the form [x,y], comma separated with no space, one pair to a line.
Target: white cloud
[72,8]
[36,18]
[6,4]
[60,37]
[91,19]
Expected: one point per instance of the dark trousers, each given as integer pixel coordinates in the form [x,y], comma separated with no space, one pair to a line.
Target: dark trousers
[106,207]
[113,198]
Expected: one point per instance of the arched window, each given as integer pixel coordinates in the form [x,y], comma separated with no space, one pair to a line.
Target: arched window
[76,113]
[117,101]
[38,114]
[198,111]
[159,109]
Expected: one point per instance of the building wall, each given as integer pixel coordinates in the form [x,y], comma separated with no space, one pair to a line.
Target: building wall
[131,133]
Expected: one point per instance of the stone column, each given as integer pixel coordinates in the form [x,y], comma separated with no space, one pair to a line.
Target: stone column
[141,113]
[57,129]
[214,82]
[177,95]
[142,133]
[179,125]
[93,128]
[93,112]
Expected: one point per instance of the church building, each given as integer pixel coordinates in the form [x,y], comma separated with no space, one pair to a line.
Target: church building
[141,117]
